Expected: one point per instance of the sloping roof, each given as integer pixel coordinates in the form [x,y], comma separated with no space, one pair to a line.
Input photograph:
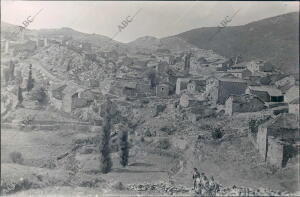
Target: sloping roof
[129,85]
[235,80]
[271,90]
[242,64]
[284,121]
[57,86]
[295,101]
[244,98]
[70,90]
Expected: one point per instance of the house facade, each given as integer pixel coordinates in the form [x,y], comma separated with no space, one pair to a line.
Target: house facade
[162,90]
[242,104]
[266,93]
[291,94]
[294,106]
[260,66]
[218,90]
[275,139]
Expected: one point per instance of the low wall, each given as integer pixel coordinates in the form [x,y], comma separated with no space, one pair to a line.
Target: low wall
[48,127]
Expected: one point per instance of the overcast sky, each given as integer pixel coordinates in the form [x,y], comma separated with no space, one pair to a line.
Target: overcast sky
[156,18]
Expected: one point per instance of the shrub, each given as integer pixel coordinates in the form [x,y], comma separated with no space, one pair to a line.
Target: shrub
[38,94]
[164,144]
[72,164]
[27,120]
[49,164]
[159,109]
[254,124]
[217,133]
[16,157]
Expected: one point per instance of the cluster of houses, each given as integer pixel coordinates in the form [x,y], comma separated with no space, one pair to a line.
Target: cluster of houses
[235,87]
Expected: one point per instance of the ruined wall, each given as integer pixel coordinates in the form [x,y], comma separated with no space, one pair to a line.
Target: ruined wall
[228,106]
[67,104]
[294,109]
[253,106]
[181,84]
[275,152]
[262,141]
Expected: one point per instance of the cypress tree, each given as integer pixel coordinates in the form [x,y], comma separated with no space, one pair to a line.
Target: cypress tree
[105,159]
[123,148]
[20,96]
[29,85]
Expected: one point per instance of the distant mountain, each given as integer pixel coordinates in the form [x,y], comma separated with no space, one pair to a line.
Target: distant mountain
[100,41]
[274,39]
[152,43]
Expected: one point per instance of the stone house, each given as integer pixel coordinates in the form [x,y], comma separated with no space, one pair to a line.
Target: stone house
[275,139]
[218,90]
[196,85]
[189,100]
[136,88]
[243,103]
[266,93]
[161,67]
[291,94]
[67,98]
[286,81]
[129,89]
[260,66]
[193,85]
[181,84]
[162,90]
[240,73]
[56,95]
[71,99]
[239,66]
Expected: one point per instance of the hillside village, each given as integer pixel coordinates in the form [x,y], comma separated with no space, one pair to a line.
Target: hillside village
[183,107]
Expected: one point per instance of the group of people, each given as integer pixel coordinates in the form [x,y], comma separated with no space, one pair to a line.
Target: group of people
[203,186]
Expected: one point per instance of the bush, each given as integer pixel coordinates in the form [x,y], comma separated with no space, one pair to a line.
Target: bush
[27,120]
[38,94]
[254,124]
[217,133]
[49,164]
[164,144]
[16,157]
[160,108]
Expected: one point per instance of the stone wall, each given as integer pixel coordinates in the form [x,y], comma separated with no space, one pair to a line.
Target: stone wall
[262,141]
[275,152]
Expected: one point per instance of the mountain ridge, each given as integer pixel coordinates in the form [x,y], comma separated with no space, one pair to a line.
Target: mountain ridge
[273,39]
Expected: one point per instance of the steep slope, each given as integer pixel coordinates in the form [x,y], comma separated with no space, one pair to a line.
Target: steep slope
[275,39]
